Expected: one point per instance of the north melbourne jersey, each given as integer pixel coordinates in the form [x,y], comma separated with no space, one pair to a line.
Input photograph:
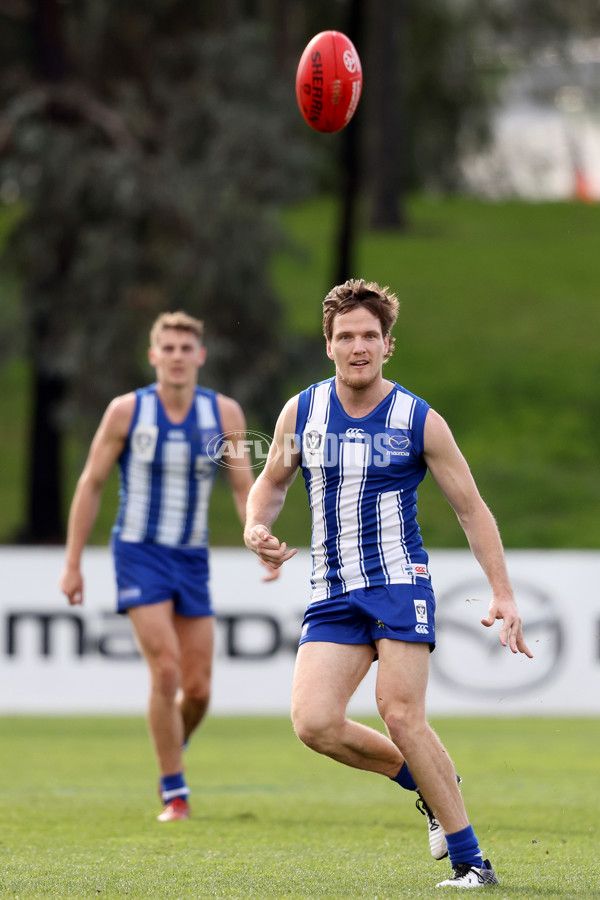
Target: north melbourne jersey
[361,476]
[167,473]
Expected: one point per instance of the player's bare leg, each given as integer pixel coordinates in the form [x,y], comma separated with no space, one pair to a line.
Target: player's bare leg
[401,685]
[159,644]
[196,642]
[325,678]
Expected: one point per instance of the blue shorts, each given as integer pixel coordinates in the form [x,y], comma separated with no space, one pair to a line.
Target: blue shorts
[152,573]
[402,612]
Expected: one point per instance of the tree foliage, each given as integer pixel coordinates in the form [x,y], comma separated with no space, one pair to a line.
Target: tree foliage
[152,173]
[151,153]
[148,148]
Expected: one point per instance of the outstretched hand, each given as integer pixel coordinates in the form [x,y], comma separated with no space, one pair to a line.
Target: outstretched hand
[511,632]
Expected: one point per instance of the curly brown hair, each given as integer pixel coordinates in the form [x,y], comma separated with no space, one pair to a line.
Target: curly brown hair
[355,292]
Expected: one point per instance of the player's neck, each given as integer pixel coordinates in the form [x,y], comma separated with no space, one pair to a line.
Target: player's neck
[359,401]
[176,399]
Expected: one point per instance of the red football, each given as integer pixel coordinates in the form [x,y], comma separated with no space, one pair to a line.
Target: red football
[329,81]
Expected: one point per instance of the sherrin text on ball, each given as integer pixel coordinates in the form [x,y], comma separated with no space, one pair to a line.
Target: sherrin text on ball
[329,81]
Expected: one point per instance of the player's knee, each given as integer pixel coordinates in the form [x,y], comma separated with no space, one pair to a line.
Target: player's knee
[316,731]
[166,675]
[401,722]
[197,693]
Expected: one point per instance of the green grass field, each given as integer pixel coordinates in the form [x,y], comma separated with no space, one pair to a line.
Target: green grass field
[272,819]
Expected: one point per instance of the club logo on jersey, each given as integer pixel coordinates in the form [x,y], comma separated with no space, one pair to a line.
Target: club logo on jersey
[421,612]
[143,442]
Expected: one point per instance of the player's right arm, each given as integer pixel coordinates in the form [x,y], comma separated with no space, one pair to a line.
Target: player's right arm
[105,449]
[268,493]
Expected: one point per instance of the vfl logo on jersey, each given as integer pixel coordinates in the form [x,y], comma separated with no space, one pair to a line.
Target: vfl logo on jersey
[143,442]
[204,467]
[421,612]
[355,434]
[313,443]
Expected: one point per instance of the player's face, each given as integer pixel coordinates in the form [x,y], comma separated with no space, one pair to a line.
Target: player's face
[177,356]
[358,348]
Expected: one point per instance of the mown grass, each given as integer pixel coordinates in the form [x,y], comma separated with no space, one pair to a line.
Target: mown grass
[498,331]
[272,819]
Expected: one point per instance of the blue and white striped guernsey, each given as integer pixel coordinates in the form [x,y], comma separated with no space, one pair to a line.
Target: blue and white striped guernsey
[166,474]
[362,477]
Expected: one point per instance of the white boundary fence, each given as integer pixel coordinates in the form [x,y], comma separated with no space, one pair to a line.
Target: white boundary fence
[60,659]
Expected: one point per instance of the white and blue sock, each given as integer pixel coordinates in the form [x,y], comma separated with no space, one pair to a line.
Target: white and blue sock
[172,786]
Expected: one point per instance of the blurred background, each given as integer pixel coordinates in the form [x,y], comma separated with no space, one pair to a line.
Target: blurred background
[152,157]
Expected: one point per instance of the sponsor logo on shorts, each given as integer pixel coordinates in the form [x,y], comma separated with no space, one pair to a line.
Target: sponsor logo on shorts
[130,593]
[422,629]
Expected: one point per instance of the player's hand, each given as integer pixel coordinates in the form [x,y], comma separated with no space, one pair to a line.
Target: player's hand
[268,548]
[71,584]
[269,574]
[511,632]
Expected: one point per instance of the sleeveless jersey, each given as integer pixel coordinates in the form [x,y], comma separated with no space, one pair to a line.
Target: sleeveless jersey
[166,474]
[361,476]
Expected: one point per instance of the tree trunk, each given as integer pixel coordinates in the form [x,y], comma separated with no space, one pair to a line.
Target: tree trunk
[387,145]
[45,523]
[45,520]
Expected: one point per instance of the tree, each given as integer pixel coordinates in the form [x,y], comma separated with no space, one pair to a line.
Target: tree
[151,175]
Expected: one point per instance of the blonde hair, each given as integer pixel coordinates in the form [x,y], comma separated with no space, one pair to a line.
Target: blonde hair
[355,292]
[178,320]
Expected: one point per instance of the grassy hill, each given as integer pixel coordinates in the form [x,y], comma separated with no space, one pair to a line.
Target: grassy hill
[498,330]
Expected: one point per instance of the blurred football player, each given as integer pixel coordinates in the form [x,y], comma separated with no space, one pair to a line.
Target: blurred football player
[167,440]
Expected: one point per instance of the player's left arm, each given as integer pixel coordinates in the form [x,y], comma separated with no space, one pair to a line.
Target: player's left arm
[238,463]
[236,459]
[452,474]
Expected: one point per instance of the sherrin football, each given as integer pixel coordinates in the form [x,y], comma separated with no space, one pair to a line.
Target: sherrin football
[329,81]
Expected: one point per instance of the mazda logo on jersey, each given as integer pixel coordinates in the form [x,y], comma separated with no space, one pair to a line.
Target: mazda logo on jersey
[399,442]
